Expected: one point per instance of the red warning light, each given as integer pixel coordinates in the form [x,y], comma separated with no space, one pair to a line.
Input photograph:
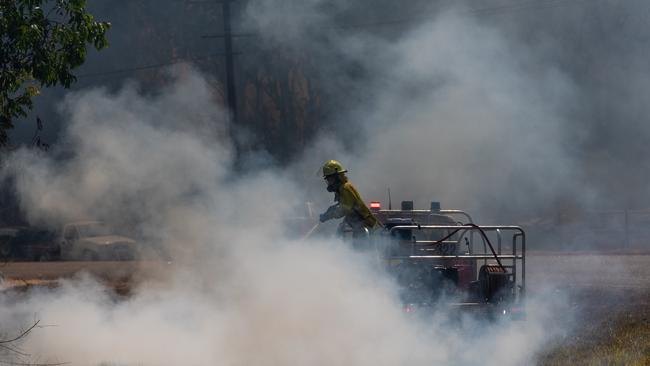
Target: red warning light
[375,205]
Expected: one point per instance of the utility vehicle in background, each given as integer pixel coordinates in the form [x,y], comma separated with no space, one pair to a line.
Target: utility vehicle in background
[95,240]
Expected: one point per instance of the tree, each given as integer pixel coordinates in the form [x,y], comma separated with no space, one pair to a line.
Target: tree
[41,42]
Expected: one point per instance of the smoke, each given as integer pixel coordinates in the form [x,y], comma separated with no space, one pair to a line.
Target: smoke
[275,310]
[453,109]
[238,292]
[510,110]
[462,121]
[507,115]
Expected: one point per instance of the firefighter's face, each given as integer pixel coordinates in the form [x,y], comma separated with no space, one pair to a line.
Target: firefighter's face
[331,182]
[330,179]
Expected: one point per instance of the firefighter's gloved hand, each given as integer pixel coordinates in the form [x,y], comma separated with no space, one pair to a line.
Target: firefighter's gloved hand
[328,214]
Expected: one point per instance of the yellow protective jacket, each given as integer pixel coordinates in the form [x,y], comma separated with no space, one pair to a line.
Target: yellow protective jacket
[351,206]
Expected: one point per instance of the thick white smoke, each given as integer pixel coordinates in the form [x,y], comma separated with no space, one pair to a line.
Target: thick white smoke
[237,293]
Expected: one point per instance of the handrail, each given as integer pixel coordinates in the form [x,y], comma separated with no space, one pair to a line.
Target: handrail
[425,242]
[466,256]
[467,227]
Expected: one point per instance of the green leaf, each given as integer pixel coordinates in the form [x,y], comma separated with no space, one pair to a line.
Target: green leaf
[36,50]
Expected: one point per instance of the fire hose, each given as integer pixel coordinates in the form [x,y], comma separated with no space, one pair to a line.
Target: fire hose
[485,239]
[310,232]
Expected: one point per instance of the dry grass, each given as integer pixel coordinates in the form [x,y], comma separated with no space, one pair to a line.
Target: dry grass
[606,338]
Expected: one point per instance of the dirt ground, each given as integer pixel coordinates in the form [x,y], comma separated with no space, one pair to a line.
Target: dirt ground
[120,276]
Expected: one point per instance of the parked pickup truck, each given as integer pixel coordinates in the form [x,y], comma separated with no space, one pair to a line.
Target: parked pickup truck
[94,240]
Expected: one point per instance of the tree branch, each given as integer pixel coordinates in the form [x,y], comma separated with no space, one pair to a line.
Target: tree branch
[22,335]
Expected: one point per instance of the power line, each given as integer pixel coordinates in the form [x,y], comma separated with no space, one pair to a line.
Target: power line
[152,66]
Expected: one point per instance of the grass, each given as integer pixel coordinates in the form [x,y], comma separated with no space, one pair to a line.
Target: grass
[608,338]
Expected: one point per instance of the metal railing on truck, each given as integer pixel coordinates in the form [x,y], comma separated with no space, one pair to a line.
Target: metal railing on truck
[518,240]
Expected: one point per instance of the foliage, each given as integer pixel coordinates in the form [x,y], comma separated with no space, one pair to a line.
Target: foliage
[41,42]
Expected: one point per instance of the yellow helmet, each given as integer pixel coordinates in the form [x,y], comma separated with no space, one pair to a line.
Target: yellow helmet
[332,167]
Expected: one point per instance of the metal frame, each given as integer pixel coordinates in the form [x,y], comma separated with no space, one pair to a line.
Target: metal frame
[518,232]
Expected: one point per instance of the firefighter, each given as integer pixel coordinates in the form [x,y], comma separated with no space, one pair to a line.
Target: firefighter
[349,204]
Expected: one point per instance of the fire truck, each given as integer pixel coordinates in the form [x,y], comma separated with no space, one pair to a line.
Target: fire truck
[442,258]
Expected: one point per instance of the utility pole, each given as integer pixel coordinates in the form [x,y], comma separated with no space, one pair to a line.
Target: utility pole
[231,94]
